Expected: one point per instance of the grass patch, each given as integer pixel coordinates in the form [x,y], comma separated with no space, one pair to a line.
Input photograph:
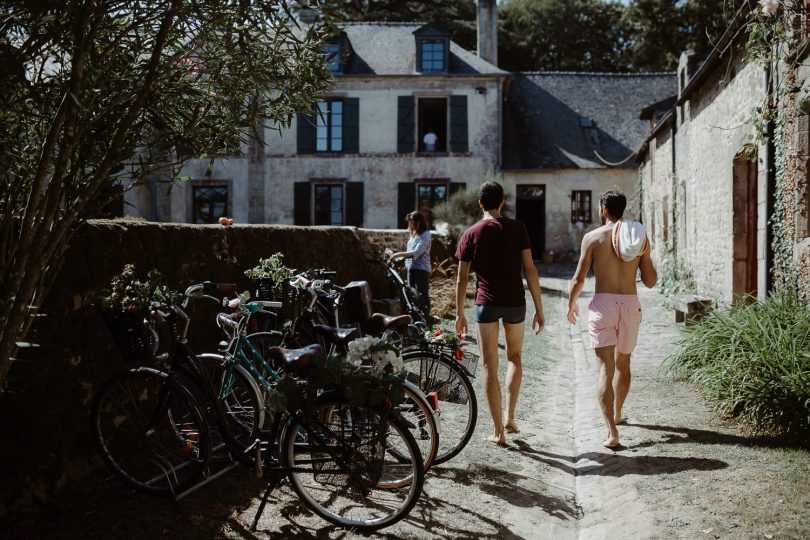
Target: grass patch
[753,362]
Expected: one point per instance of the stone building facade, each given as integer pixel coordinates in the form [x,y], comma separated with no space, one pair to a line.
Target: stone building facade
[560,140]
[361,160]
[708,186]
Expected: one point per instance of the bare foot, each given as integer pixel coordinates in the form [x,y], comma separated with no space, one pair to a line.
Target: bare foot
[611,442]
[500,440]
[620,421]
[511,428]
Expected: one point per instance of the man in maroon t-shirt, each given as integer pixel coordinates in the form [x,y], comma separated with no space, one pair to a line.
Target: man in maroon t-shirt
[498,249]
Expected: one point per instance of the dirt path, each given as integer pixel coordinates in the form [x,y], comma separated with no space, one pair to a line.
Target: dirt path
[681,473]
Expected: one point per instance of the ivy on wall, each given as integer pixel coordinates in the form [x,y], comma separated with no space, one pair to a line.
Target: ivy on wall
[775,35]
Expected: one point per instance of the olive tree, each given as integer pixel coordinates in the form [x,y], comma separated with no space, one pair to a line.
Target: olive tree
[100,93]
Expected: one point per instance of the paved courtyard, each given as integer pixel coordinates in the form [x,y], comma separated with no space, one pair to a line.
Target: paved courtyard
[682,472]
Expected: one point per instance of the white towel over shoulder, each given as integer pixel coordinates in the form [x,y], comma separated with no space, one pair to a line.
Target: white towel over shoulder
[629,239]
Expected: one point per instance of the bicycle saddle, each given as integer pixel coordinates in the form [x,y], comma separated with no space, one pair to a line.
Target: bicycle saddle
[379,323]
[338,336]
[295,359]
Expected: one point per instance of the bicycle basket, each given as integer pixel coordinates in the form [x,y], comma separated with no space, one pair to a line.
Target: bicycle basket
[357,300]
[132,336]
[291,302]
[470,361]
[349,447]
[264,288]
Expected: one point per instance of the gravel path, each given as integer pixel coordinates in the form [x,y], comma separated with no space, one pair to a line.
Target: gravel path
[682,472]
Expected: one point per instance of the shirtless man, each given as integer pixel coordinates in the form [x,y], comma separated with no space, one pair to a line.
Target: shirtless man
[614,313]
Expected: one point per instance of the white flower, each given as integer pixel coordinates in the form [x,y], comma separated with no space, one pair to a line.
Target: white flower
[769,7]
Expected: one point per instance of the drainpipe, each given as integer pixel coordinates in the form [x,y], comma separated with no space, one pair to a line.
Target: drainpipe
[770,192]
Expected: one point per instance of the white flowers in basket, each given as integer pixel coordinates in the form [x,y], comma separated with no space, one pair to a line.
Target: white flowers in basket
[373,352]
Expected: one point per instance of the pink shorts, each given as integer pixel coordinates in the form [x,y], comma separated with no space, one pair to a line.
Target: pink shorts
[613,319]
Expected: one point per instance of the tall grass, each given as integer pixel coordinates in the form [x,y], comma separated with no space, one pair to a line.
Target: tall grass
[753,362]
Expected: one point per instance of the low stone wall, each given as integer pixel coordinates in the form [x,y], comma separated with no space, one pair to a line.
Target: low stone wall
[45,413]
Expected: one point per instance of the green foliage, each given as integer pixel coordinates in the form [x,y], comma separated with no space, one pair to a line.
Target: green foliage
[130,294]
[674,277]
[272,269]
[362,387]
[459,211]
[575,35]
[99,96]
[753,362]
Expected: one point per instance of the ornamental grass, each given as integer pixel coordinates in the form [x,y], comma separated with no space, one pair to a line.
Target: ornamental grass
[753,363]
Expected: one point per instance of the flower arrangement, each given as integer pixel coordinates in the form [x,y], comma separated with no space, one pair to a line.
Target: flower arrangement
[130,294]
[272,271]
[448,338]
[372,352]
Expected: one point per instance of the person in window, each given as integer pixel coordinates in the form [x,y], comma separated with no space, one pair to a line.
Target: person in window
[417,257]
[430,139]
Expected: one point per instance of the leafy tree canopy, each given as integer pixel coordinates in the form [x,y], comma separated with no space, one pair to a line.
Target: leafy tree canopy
[86,85]
[575,35]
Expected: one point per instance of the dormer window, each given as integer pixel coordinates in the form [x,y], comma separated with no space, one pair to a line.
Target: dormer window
[432,57]
[331,55]
[432,49]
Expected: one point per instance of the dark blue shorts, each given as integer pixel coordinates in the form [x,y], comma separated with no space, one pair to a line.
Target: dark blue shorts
[510,315]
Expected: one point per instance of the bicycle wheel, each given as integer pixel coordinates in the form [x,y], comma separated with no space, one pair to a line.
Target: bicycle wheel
[346,473]
[416,410]
[239,397]
[150,431]
[458,406]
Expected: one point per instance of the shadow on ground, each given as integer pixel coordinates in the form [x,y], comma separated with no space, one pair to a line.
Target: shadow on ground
[614,464]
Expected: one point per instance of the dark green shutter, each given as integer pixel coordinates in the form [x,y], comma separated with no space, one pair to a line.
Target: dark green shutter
[354,204]
[351,125]
[458,124]
[406,121]
[301,203]
[456,186]
[306,133]
[406,202]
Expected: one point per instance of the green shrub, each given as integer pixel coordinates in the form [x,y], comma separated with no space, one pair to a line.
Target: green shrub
[753,362]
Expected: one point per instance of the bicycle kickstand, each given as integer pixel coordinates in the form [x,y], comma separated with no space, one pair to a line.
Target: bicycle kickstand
[275,479]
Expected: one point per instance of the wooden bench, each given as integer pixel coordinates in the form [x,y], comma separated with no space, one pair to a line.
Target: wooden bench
[690,308]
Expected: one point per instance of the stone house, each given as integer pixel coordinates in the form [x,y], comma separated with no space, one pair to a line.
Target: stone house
[708,183]
[559,139]
[362,160]
[568,137]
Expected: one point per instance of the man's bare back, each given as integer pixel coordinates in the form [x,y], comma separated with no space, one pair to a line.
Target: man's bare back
[613,274]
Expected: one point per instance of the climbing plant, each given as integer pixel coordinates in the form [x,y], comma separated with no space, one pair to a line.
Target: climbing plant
[774,35]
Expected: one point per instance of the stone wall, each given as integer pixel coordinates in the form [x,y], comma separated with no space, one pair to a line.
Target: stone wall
[691,209]
[45,412]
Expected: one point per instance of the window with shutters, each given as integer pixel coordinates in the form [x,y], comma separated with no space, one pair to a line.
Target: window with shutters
[327,204]
[329,126]
[581,206]
[209,203]
[432,125]
[429,194]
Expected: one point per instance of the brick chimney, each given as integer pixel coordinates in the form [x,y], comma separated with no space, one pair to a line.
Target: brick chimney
[488,31]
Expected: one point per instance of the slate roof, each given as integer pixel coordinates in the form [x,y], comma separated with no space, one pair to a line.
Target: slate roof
[389,48]
[544,115]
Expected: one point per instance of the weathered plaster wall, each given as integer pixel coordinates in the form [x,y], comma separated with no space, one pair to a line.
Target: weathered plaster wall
[562,235]
[377,165]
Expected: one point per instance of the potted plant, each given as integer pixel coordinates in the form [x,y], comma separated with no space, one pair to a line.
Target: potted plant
[124,307]
[269,275]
